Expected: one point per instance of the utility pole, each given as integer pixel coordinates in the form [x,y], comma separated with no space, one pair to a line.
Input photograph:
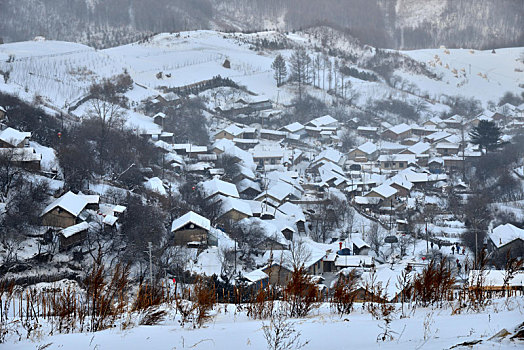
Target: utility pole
[427,246]
[150,246]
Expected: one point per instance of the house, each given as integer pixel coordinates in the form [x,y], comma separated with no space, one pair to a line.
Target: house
[324,121]
[65,211]
[436,136]
[72,235]
[354,261]
[248,188]
[3,114]
[396,161]
[231,132]
[507,238]
[295,214]
[329,155]
[274,135]
[294,128]
[280,265]
[385,192]
[232,209]
[191,228]
[12,138]
[257,278]
[454,122]
[401,184]
[278,194]
[369,132]
[397,132]
[267,154]
[25,158]
[434,122]
[159,118]
[364,153]
[447,148]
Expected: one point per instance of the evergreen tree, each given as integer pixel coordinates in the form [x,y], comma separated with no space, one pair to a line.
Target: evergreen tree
[279,66]
[299,62]
[486,135]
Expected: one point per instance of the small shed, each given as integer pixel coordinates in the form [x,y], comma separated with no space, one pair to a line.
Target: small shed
[72,235]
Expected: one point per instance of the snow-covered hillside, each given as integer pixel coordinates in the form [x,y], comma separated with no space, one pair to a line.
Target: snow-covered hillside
[62,72]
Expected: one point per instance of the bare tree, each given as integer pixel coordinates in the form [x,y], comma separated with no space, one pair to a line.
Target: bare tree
[299,253]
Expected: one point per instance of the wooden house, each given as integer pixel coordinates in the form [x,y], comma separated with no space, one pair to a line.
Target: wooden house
[191,228]
[65,211]
[12,138]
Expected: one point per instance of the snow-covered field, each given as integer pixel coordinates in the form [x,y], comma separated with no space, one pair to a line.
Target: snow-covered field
[423,328]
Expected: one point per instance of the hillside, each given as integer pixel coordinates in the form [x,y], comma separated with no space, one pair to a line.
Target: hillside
[404,24]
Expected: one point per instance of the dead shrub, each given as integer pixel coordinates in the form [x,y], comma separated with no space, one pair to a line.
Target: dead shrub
[301,295]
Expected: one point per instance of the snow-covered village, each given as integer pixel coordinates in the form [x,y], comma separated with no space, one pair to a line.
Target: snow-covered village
[261,189]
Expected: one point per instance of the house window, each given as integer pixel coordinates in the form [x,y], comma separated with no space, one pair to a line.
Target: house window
[273,161]
[400,165]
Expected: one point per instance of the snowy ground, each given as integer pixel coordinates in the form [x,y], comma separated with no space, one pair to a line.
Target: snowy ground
[322,329]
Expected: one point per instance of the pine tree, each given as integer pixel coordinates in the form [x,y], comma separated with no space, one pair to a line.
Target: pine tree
[279,66]
[486,135]
[299,62]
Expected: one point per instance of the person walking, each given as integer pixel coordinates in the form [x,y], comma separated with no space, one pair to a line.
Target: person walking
[452,249]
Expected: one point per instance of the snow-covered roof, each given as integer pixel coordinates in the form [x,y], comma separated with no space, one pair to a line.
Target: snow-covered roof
[155,184]
[13,136]
[247,183]
[448,145]
[214,186]
[255,276]
[292,210]
[368,147]
[2,109]
[419,148]
[193,218]
[72,230]
[293,127]
[504,234]
[119,209]
[229,203]
[400,180]
[384,190]
[397,158]
[437,136]
[160,115]
[233,130]
[110,220]
[400,128]
[329,154]
[367,128]
[69,202]
[353,260]
[323,121]
[413,176]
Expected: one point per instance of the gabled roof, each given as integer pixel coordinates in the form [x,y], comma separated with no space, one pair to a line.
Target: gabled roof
[193,218]
[293,211]
[419,148]
[215,186]
[330,154]
[384,190]
[247,184]
[233,130]
[323,121]
[504,234]
[293,127]
[400,128]
[69,202]
[13,136]
[368,148]
[160,115]
[229,203]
